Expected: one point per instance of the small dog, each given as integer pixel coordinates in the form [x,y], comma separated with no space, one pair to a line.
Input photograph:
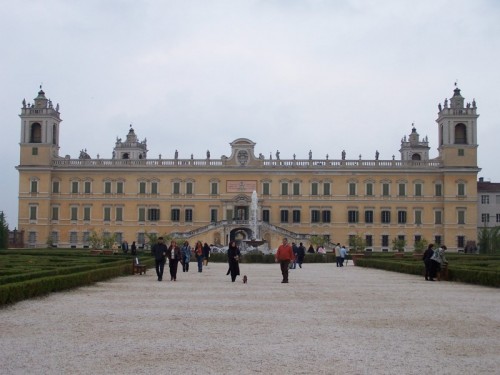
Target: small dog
[245,279]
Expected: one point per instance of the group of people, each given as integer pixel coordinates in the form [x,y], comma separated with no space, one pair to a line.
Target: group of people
[433,261]
[176,255]
[340,255]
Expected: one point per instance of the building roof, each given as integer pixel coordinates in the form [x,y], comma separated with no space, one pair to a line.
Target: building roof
[488,187]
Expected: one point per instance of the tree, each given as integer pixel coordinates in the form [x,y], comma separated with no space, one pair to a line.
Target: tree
[421,245]
[4,232]
[398,244]
[356,243]
[318,240]
[489,240]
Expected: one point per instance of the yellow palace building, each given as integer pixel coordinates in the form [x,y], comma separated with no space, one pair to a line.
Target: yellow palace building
[62,200]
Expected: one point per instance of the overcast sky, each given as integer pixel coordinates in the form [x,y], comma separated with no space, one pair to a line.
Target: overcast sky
[288,74]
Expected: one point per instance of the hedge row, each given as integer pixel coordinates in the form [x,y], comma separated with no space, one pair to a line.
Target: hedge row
[482,277]
[19,291]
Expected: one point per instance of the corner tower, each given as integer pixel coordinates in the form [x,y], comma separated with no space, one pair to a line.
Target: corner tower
[458,132]
[39,131]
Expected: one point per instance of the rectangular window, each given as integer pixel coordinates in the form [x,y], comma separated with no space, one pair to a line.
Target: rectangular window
[401,190]
[119,214]
[418,190]
[314,188]
[461,241]
[107,213]
[461,152]
[437,241]
[296,216]
[385,217]
[119,237]
[55,187]
[352,188]
[266,215]
[352,216]
[142,187]
[266,188]
[485,199]
[284,216]
[461,189]
[33,212]
[438,217]
[175,214]
[188,215]
[314,216]
[369,189]
[34,186]
[107,187]
[461,217]
[401,217]
[326,188]
[85,237]
[368,216]
[74,213]
[438,190]
[55,237]
[34,151]
[497,199]
[418,217]
[213,215]
[189,188]
[214,188]
[74,187]
[498,218]
[385,240]
[369,240]
[176,188]
[284,188]
[55,213]
[326,216]
[141,215]
[87,187]
[296,188]
[73,238]
[385,190]
[141,239]
[119,187]
[417,239]
[485,218]
[153,214]
[86,213]
[154,187]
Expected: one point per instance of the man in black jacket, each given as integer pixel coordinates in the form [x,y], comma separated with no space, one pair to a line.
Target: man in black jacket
[159,252]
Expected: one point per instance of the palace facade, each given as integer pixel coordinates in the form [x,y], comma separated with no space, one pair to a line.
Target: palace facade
[62,200]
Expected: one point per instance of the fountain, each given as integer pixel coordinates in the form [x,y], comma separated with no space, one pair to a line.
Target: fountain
[254,209]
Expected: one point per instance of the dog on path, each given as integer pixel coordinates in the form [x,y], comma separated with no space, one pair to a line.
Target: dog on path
[245,279]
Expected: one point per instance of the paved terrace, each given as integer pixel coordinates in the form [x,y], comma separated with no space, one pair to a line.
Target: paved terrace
[327,320]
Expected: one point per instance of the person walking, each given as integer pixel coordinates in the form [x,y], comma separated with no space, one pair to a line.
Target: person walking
[185,256]
[233,258]
[337,255]
[159,251]
[284,255]
[206,254]
[343,255]
[174,256]
[294,261]
[301,253]
[133,248]
[427,260]
[198,252]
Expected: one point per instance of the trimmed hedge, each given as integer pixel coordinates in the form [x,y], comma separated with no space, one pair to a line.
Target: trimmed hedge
[467,273]
[49,273]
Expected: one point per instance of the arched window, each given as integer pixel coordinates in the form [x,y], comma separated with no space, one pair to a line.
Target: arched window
[125,155]
[460,134]
[36,133]
[415,157]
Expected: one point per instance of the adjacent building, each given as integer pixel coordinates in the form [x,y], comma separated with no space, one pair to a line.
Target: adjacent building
[62,200]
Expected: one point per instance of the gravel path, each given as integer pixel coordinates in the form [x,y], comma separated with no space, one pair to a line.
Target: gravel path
[327,320]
